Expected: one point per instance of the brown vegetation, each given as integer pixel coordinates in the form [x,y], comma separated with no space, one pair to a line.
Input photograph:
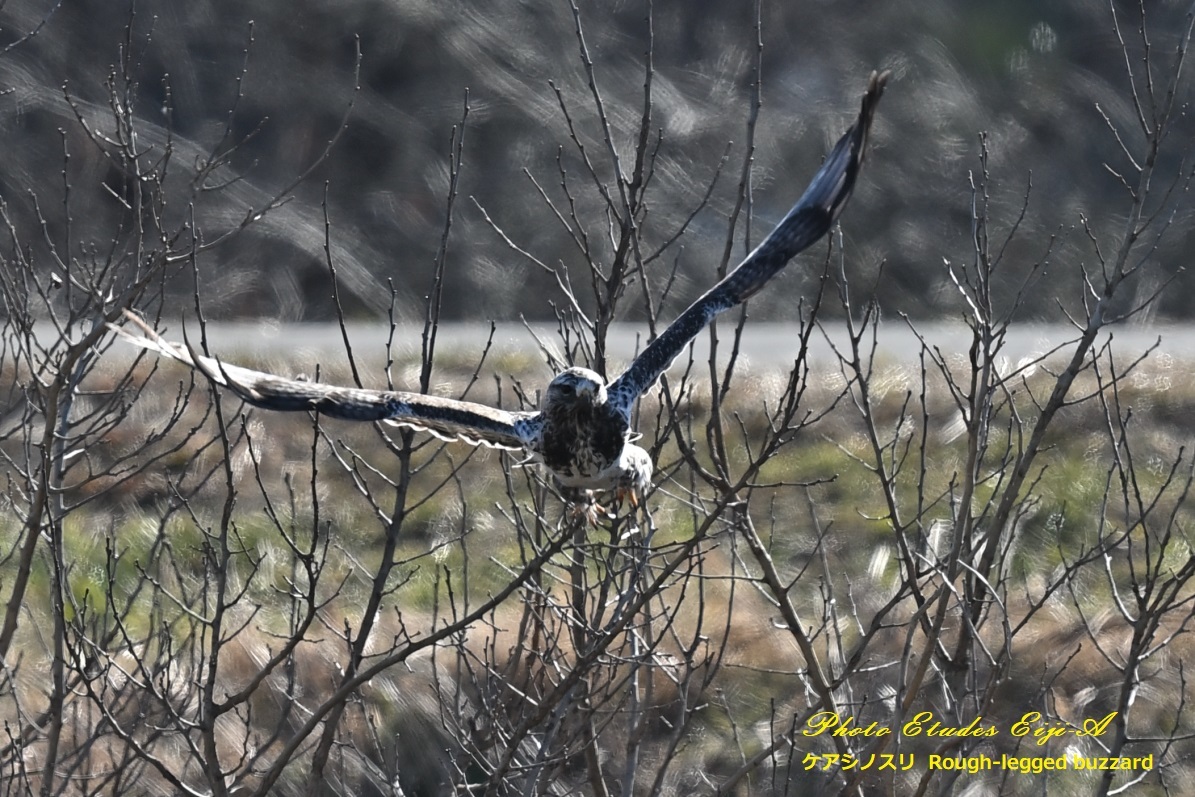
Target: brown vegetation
[203,599]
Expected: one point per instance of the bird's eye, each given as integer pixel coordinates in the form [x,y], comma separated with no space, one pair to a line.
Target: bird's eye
[565,390]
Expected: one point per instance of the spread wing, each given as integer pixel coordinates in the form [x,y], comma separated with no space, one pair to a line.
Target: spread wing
[810,219]
[445,418]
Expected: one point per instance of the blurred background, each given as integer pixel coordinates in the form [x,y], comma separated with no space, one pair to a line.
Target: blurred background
[1038,78]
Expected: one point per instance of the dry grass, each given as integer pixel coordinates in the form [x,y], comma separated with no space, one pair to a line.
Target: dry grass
[752,677]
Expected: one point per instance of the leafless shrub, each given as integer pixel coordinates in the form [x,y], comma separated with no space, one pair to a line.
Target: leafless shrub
[203,600]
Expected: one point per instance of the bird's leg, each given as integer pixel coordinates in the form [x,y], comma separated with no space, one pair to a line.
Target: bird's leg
[586,502]
[582,503]
[628,494]
[612,511]
[629,527]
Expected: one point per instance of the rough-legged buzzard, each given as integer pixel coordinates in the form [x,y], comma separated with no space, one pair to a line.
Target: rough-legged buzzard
[582,429]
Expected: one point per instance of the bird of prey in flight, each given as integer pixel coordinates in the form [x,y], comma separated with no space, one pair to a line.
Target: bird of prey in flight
[582,429]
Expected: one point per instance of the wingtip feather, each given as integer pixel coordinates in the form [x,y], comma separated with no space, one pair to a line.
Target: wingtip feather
[867,109]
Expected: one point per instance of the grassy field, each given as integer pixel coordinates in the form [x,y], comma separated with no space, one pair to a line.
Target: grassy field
[172,524]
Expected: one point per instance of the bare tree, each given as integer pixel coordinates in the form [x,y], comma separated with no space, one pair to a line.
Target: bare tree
[865,578]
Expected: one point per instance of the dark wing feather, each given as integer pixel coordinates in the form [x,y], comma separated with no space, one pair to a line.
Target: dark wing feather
[445,418]
[810,219]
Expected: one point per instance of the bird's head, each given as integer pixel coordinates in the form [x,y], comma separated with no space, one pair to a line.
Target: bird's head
[574,386]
